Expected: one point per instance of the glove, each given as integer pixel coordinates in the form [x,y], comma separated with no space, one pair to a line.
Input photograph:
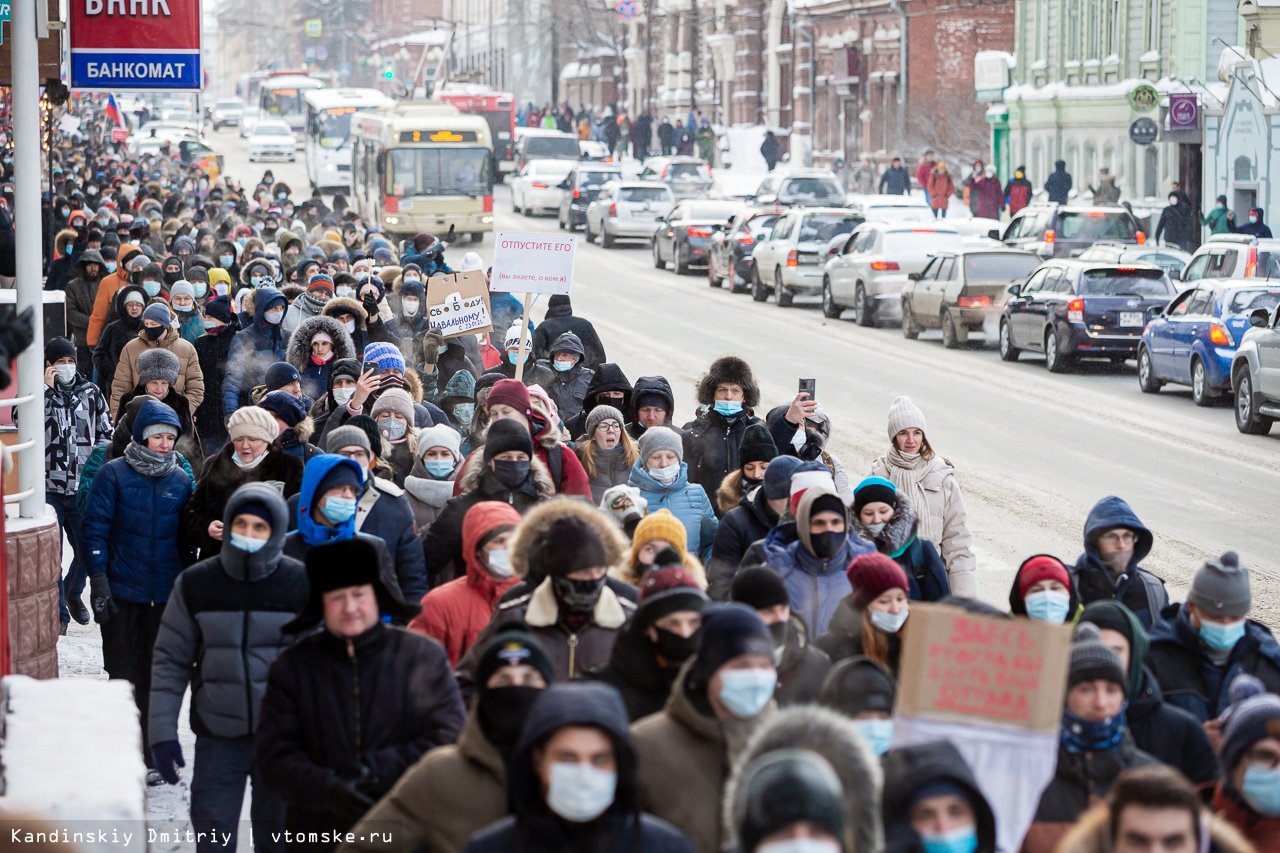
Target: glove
[431,346]
[167,757]
[100,598]
[370,303]
[350,800]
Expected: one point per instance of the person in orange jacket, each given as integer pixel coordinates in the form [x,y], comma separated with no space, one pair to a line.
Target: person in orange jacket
[107,287]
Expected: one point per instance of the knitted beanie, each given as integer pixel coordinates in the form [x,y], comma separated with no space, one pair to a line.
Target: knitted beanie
[513,647]
[1221,587]
[440,435]
[157,313]
[1042,567]
[660,526]
[154,364]
[504,435]
[385,356]
[903,414]
[182,288]
[874,490]
[396,401]
[668,590]
[1091,660]
[280,374]
[872,575]
[219,308]
[777,477]
[757,445]
[602,413]
[285,406]
[347,436]
[509,392]
[253,422]
[1252,717]
[660,438]
[759,588]
[728,631]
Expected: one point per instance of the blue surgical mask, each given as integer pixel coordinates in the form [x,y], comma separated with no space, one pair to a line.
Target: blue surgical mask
[728,408]
[1048,605]
[240,241]
[562,366]
[877,733]
[152,288]
[514,357]
[1221,637]
[464,412]
[110,265]
[963,840]
[1261,790]
[260,281]
[248,544]
[200,288]
[338,510]
[212,324]
[890,623]
[438,468]
[1081,735]
[745,692]
[226,261]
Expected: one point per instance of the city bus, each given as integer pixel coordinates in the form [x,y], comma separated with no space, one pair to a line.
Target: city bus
[496,108]
[280,96]
[423,167]
[327,143]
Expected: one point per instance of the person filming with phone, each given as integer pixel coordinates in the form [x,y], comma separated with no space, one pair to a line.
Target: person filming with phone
[802,429]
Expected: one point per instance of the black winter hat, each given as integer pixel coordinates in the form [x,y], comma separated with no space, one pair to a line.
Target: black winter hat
[513,646]
[505,435]
[568,545]
[728,630]
[858,685]
[759,588]
[369,427]
[782,788]
[757,445]
[57,348]
[1093,661]
[338,475]
[336,565]
[348,367]
[280,374]
[219,308]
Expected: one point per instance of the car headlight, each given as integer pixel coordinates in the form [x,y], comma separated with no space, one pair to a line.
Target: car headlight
[391,220]
[486,220]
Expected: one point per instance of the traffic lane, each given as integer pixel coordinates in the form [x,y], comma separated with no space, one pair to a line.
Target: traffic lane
[235,156]
[1034,451]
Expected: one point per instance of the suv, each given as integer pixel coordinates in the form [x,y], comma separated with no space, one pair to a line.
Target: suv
[791,255]
[534,143]
[1065,230]
[1255,374]
[688,177]
[1234,256]
[583,185]
[812,187]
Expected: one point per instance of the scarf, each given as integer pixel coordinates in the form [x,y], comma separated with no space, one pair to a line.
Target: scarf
[908,473]
[310,305]
[148,462]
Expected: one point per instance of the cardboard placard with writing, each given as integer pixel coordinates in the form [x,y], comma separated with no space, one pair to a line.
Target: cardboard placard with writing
[458,304]
[960,667]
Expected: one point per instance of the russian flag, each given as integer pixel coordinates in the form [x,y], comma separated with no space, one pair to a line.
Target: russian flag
[113,112]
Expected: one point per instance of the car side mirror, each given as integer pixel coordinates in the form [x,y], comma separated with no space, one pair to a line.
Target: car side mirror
[994,234]
[563,185]
[1260,318]
[1015,290]
[1155,311]
[913,276]
[764,236]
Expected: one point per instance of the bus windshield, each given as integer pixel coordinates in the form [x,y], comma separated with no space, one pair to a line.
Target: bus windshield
[332,127]
[282,102]
[439,171]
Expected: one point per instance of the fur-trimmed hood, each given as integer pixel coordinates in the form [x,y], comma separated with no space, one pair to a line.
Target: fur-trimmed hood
[897,534]
[348,306]
[835,738]
[544,515]
[729,368]
[304,429]
[1090,834]
[730,493]
[299,352]
[270,262]
[473,468]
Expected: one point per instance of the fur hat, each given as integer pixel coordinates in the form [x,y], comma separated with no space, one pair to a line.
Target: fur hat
[253,422]
[156,364]
[733,370]
[340,564]
[570,544]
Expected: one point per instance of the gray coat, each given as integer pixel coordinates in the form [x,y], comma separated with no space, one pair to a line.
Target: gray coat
[611,470]
[221,630]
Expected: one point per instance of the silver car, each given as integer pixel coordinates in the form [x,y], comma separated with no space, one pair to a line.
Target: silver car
[627,210]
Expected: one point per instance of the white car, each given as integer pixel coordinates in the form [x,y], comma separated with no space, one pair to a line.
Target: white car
[872,268]
[536,187]
[626,210]
[153,134]
[800,187]
[787,261]
[890,208]
[227,112]
[272,139]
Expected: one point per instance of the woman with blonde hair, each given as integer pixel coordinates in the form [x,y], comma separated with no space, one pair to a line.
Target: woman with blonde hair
[606,452]
[657,532]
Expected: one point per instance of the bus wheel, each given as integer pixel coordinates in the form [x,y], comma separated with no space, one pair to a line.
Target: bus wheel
[477,237]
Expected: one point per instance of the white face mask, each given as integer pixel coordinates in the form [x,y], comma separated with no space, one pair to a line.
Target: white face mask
[66,373]
[410,307]
[499,563]
[874,529]
[344,291]
[343,395]
[274,317]
[350,326]
[888,622]
[799,845]
[580,793]
[666,476]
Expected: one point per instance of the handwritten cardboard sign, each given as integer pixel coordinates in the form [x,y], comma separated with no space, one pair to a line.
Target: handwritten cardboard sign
[458,304]
[533,263]
[959,667]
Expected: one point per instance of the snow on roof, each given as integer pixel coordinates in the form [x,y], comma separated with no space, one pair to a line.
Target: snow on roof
[426,37]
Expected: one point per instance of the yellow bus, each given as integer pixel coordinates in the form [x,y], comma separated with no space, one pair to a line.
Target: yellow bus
[423,167]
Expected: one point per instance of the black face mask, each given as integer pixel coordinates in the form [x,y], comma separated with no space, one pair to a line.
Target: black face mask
[154,333]
[674,648]
[172,276]
[779,632]
[502,712]
[577,596]
[751,482]
[827,545]
[814,441]
[511,474]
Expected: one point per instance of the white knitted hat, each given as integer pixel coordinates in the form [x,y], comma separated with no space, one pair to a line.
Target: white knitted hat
[904,414]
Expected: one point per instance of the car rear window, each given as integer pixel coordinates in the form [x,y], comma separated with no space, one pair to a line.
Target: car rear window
[1245,301]
[1171,264]
[999,267]
[924,239]
[1095,225]
[688,171]
[595,179]
[710,211]
[643,194]
[818,189]
[551,148]
[1121,282]
[823,227]
[756,224]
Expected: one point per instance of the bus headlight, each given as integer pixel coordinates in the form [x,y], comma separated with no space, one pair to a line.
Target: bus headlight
[329,167]
[486,220]
[391,220]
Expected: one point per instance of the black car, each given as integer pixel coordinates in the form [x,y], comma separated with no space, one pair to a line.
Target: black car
[683,236]
[730,256]
[1076,309]
[582,185]
[1066,230]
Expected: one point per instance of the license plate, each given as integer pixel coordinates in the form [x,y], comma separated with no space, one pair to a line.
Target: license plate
[641,214]
[1131,318]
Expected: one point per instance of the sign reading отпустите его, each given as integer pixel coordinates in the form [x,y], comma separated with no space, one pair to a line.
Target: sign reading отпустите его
[135,45]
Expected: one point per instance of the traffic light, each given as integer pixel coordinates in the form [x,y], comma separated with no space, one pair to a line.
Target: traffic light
[389,72]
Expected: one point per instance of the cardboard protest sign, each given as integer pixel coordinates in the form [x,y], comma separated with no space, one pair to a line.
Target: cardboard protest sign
[960,667]
[533,263]
[458,304]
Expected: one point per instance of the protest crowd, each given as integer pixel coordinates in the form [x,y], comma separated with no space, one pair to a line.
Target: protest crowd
[492,592]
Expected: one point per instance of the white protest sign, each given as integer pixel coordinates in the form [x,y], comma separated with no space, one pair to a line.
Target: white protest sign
[533,263]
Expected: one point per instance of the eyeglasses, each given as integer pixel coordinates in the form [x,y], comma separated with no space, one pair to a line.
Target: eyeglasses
[355,455]
[609,426]
[1118,537]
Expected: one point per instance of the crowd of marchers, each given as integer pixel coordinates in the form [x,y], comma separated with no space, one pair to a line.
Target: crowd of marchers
[490,593]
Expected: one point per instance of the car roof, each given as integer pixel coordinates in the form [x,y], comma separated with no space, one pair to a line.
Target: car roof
[982,250]
[1233,284]
[271,122]
[898,227]
[675,158]
[1075,208]
[640,185]
[824,211]
[1241,240]
[588,166]
[550,162]
[542,131]
[1076,263]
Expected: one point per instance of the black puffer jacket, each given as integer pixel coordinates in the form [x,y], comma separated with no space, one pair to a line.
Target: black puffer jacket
[711,446]
[608,378]
[749,522]
[220,477]
[559,320]
[212,349]
[906,771]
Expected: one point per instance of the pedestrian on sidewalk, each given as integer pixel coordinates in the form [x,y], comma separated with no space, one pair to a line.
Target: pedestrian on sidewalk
[923,170]
[1058,186]
[939,187]
[769,150]
[895,180]
[1017,193]
[1220,220]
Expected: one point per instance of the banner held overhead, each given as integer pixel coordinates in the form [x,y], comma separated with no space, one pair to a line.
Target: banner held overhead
[135,45]
[533,263]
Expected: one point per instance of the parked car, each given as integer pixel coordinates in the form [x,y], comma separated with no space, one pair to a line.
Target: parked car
[1255,373]
[788,260]
[536,143]
[1070,309]
[226,113]
[893,208]
[626,210]
[272,139]
[1066,230]
[684,235]
[871,269]
[594,152]
[960,292]
[536,185]
[1171,260]
[808,187]
[580,187]
[1234,256]
[688,177]
[730,256]
[1193,340]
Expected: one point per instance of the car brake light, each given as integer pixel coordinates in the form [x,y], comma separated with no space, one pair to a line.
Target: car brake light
[793,258]
[613,210]
[924,231]
[974,302]
[697,231]
[488,204]
[538,186]
[1126,269]
[665,169]
[746,240]
[1096,214]
[710,175]
[1050,236]
[576,194]
[1251,267]
[1220,336]
[1075,311]
[884,265]
[1141,237]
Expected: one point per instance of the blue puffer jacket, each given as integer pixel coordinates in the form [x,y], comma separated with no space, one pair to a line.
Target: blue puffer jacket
[131,529]
[687,502]
[253,350]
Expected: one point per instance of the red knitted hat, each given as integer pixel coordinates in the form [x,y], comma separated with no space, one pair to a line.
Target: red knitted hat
[668,590]
[872,575]
[1042,567]
[510,392]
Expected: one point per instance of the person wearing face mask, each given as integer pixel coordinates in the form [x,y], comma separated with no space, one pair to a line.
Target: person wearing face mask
[569,378]
[350,314]
[573,782]
[213,348]
[1095,746]
[1159,728]
[1200,647]
[865,692]
[748,523]
[607,453]
[201,632]
[1115,544]
[870,620]
[351,707]
[803,429]
[1042,591]
[76,420]
[310,303]
[458,399]
[608,387]
[80,294]
[459,789]
[131,260]
[662,477]
[886,519]
[429,485]
[131,536]
[226,256]
[788,801]
[802,668]
[408,304]
[755,454]
[157,377]
[219,285]
[928,482]
[1178,225]
[721,698]
[394,413]
[296,429]
[1220,220]
[314,347]
[158,332]
[182,299]
[933,803]
[171,270]
[560,319]
[1248,797]
[534,373]
[344,373]
[728,394]
[1018,191]
[652,648]
[457,612]
[255,348]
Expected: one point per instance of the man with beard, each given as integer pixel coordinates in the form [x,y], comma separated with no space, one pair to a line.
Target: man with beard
[1115,542]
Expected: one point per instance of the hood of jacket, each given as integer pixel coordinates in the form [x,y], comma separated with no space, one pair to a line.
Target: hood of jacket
[569,342]
[559,309]
[542,516]
[242,565]
[299,352]
[479,520]
[346,305]
[1112,512]
[834,737]
[1018,604]
[652,385]
[90,256]
[272,267]
[910,768]
[461,385]
[608,377]
[311,531]
[1059,165]
[264,298]
[130,323]
[1109,611]
[898,533]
